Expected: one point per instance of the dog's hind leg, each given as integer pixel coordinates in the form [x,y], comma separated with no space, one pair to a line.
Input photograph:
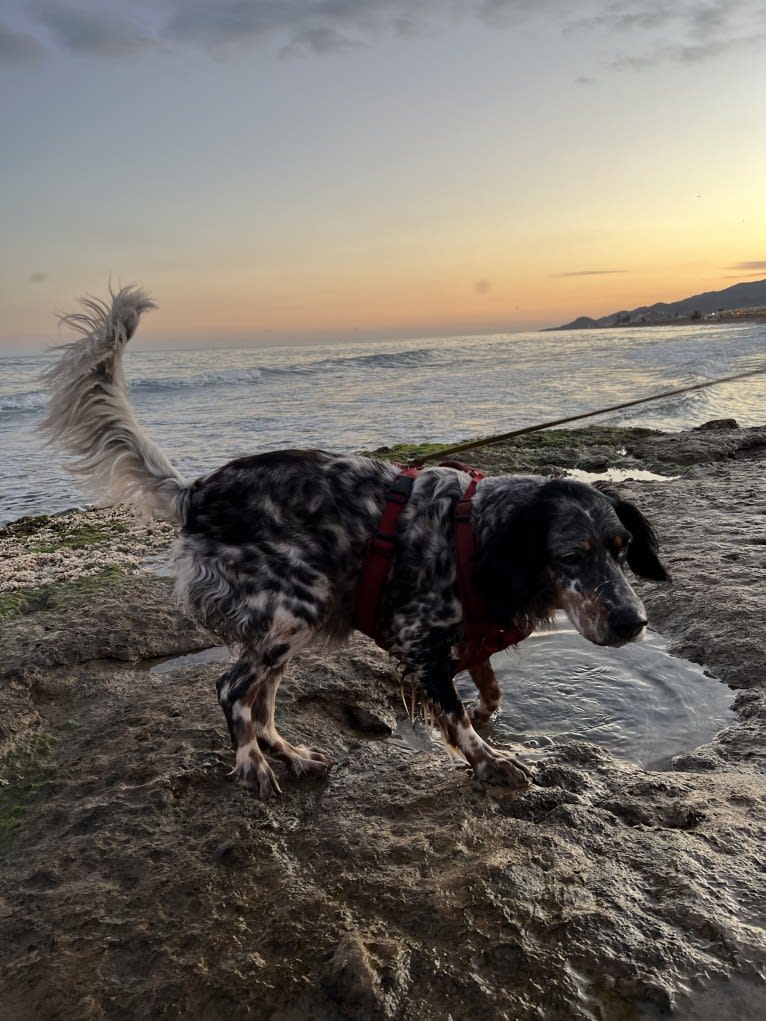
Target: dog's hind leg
[483,676]
[301,759]
[247,694]
[237,689]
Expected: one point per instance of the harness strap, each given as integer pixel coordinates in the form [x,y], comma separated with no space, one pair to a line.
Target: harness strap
[380,553]
[483,636]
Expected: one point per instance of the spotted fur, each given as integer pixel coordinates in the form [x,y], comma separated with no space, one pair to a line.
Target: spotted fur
[271,549]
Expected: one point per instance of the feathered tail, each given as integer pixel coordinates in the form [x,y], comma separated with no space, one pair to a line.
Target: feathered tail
[90,418]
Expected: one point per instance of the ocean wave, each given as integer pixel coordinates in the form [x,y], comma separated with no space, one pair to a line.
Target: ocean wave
[386,360]
[687,410]
[25,401]
[197,381]
[380,360]
[394,361]
[28,401]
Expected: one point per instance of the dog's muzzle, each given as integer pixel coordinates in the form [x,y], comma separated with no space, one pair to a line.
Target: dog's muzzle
[625,624]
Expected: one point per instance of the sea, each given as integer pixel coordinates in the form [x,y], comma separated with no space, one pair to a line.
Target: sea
[205,407]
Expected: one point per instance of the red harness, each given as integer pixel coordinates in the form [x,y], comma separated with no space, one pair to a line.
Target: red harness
[483,636]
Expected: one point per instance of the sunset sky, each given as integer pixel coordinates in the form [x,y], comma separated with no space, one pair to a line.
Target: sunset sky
[346,169]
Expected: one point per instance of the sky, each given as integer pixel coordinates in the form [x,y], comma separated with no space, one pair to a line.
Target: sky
[334,170]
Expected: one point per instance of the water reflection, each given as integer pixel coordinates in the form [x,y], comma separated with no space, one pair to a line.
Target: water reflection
[639,701]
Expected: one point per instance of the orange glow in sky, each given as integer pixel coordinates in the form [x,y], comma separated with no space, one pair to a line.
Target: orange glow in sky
[477,174]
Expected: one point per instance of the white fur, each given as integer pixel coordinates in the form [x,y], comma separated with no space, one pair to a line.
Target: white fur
[90,418]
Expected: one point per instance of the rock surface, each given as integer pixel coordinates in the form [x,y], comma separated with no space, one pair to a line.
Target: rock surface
[138,882]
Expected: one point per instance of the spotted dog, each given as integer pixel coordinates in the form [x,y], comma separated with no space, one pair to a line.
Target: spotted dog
[271,549]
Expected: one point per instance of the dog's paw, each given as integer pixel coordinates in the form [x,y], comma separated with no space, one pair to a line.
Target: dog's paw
[258,777]
[504,769]
[300,759]
[310,762]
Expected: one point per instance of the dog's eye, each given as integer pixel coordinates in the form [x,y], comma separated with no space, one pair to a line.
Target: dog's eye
[620,553]
[573,557]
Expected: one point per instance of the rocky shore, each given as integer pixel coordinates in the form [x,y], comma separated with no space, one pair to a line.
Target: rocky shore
[137,882]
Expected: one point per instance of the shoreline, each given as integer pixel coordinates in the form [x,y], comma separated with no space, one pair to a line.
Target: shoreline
[137,882]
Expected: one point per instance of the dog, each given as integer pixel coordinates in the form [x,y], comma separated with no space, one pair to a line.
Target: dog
[271,548]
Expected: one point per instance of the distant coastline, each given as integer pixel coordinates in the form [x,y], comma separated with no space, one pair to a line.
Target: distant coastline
[741,315]
[744,302]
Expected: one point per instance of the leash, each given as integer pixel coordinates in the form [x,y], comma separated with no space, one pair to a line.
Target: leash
[486,441]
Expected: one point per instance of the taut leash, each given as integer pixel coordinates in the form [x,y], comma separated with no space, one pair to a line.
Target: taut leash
[486,441]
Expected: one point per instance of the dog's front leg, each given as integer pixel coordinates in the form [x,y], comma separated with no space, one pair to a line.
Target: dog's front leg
[490,696]
[432,667]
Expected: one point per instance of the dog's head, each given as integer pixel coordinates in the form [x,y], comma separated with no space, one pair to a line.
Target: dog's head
[566,547]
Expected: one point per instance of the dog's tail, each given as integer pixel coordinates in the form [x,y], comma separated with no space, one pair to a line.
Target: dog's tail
[89,415]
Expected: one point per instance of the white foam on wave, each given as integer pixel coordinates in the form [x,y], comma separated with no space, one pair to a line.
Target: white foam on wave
[18,403]
[231,377]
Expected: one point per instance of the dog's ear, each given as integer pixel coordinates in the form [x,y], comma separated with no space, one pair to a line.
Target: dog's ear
[642,552]
[509,566]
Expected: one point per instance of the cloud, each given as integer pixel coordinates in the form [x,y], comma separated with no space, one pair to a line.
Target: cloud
[330,26]
[93,33]
[320,40]
[510,12]
[630,17]
[692,53]
[638,34]
[749,268]
[228,21]
[306,26]
[656,32]
[626,17]
[710,19]
[18,49]
[590,272]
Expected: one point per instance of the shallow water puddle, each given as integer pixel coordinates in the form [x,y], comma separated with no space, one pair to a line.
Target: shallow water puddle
[618,475]
[639,701]
[215,654]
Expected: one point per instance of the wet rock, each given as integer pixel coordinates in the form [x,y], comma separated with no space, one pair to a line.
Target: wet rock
[373,721]
[367,978]
[226,853]
[555,775]
[139,882]
[701,760]
[716,424]
[127,618]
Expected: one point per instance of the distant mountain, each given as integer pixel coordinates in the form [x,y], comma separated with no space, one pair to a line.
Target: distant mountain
[750,295]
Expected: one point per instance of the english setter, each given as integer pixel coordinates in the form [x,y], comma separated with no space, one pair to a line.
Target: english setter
[271,548]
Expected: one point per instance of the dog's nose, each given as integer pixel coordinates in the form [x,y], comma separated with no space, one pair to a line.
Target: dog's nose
[625,624]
